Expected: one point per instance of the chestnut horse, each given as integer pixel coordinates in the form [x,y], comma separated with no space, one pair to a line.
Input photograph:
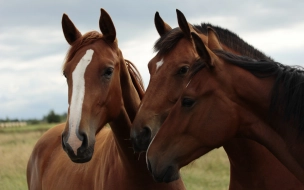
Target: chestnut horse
[102,88]
[232,96]
[252,166]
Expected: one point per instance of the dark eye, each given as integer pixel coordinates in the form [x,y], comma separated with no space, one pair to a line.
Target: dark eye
[108,72]
[187,102]
[183,70]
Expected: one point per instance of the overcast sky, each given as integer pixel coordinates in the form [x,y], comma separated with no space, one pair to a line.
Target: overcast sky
[32,45]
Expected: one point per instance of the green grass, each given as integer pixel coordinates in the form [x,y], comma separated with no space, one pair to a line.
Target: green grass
[39,127]
[15,149]
[209,172]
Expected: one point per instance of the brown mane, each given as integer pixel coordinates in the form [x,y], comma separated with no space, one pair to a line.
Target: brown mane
[136,78]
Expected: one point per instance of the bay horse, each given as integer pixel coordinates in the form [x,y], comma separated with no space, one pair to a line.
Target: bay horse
[103,88]
[232,96]
[252,166]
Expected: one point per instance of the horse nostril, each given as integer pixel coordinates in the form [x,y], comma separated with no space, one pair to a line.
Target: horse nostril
[84,138]
[65,145]
[142,140]
[149,166]
[84,147]
[146,133]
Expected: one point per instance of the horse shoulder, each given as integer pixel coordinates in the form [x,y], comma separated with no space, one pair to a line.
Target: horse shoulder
[40,156]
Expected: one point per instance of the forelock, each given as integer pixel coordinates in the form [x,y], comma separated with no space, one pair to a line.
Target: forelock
[168,41]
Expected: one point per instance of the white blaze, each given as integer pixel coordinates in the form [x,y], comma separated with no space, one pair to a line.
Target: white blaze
[159,64]
[188,83]
[77,99]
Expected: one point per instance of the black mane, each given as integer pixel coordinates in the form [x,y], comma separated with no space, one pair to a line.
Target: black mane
[288,90]
[233,41]
[168,41]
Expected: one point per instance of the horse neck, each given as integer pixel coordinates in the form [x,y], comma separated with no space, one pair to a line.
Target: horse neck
[287,152]
[122,124]
[131,97]
[134,165]
[292,143]
[247,155]
[253,97]
[121,130]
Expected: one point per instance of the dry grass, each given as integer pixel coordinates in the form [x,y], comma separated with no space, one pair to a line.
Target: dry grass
[15,150]
[209,172]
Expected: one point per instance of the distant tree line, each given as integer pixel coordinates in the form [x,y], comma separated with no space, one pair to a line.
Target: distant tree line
[51,117]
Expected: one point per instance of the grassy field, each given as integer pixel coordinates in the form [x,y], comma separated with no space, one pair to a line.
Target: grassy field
[209,172]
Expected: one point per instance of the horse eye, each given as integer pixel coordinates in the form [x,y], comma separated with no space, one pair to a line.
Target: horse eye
[183,70]
[108,72]
[187,102]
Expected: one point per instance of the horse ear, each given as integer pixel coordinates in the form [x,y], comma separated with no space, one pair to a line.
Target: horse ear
[106,26]
[70,32]
[213,41]
[161,26]
[183,23]
[202,50]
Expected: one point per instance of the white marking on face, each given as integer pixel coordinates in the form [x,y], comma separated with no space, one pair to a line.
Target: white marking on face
[188,83]
[78,92]
[159,64]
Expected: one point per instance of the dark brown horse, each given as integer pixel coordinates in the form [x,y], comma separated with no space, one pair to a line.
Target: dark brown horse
[102,88]
[232,96]
[252,166]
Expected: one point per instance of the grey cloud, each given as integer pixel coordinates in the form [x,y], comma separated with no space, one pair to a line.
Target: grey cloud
[20,54]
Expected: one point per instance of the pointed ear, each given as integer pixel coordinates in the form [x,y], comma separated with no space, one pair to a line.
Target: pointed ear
[70,32]
[213,40]
[161,26]
[183,23]
[202,50]
[106,26]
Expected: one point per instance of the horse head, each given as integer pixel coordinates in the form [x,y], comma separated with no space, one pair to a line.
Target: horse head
[168,77]
[94,94]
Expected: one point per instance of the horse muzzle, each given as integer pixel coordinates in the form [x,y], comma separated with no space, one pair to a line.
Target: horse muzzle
[141,140]
[167,174]
[80,155]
